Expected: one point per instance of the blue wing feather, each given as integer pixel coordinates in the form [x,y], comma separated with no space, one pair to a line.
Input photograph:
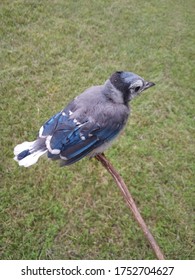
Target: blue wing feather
[79,151]
[50,125]
[76,150]
[76,139]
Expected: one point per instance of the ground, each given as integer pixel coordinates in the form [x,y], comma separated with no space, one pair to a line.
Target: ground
[50,52]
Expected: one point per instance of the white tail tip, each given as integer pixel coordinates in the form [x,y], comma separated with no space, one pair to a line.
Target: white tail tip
[31,157]
[24,146]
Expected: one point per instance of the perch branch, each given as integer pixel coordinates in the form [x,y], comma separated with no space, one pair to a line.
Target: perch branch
[131,204]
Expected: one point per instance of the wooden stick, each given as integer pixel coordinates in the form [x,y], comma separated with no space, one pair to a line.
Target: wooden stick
[131,204]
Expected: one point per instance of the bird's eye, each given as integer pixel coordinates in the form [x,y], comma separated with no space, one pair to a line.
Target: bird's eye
[137,89]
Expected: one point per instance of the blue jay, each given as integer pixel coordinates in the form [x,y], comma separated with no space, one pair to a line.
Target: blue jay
[88,125]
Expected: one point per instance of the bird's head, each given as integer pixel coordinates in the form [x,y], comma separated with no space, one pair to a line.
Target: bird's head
[129,84]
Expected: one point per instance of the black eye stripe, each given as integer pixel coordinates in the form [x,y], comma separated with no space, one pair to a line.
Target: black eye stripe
[137,89]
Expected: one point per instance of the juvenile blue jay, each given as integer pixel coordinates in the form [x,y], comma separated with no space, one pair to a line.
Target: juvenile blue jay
[87,125]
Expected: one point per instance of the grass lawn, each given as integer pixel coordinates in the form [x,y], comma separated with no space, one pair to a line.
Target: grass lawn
[50,52]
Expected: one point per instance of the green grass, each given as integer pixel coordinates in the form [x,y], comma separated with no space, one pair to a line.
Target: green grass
[50,52]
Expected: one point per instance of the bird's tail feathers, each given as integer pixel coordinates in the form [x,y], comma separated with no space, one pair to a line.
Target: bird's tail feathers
[28,153]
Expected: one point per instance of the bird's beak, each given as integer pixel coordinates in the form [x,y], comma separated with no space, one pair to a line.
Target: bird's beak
[148,85]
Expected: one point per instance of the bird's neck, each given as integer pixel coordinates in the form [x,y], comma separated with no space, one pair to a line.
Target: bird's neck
[112,93]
